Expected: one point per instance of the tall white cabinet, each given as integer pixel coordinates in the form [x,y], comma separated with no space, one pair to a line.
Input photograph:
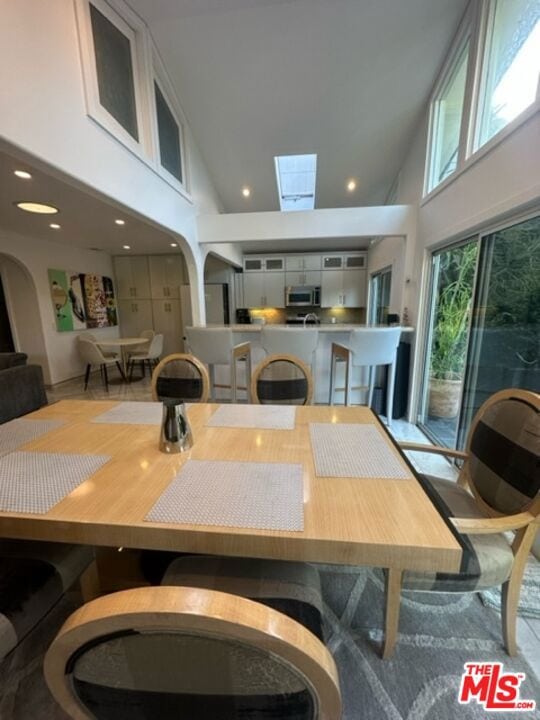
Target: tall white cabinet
[148,290]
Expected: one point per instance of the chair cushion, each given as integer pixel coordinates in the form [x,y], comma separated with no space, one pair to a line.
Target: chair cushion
[33,577]
[291,588]
[487,559]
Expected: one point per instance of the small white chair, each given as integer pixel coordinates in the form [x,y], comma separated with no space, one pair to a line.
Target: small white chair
[215,346]
[368,348]
[109,354]
[150,357]
[297,341]
[92,355]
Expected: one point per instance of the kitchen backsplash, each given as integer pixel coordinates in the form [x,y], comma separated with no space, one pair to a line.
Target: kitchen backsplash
[325,315]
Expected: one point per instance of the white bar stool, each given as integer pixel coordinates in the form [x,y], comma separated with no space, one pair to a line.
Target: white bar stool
[215,346]
[298,341]
[368,348]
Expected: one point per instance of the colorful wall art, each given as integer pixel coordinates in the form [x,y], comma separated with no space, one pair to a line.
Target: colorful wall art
[82,300]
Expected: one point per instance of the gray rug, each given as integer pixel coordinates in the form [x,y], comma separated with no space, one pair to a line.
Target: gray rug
[438,634]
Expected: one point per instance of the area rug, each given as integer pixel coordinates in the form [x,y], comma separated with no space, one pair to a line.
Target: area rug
[529,598]
[438,634]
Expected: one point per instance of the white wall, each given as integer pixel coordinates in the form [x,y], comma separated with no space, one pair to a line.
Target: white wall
[62,361]
[43,111]
[390,252]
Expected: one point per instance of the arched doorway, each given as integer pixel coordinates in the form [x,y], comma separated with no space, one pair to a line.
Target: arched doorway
[22,310]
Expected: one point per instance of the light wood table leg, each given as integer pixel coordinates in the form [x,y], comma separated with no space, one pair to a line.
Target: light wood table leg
[393,597]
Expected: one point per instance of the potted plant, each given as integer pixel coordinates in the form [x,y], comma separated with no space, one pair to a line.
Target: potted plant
[450,331]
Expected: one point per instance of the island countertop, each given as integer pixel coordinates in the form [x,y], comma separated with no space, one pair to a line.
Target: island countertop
[322,328]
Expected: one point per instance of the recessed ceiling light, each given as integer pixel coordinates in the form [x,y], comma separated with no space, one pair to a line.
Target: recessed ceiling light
[126,247]
[22,174]
[174,244]
[120,222]
[54,226]
[246,192]
[351,185]
[34,207]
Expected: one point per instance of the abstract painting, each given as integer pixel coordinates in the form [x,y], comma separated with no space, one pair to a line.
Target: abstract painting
[82,300]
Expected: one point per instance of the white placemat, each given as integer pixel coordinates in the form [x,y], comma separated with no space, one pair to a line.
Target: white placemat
[18,432]
[264,417]
[263,496]
[132,413]
[33,482]
[353,450]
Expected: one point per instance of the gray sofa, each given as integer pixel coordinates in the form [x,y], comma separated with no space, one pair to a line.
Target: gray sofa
[21,386]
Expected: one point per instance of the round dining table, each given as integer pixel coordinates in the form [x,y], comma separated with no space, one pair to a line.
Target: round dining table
[124,344]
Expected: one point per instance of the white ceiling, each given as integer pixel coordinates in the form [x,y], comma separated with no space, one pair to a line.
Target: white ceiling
[346,79]
[86,220]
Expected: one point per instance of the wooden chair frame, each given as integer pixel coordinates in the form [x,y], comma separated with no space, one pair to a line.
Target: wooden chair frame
[286,358]
[186,357]
[525,524]
[194,610]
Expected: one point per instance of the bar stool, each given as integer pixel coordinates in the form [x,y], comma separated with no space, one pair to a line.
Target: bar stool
[368,348]
[215,346]
[300,342]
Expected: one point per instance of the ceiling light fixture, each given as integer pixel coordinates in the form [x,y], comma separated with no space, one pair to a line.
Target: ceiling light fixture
[22,174]
[351,185]
[55,226]
[120,222]
[34,207]
[246,192]
[174,244]
[126,247]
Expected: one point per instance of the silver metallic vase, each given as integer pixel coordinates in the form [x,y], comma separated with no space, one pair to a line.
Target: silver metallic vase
[176,436]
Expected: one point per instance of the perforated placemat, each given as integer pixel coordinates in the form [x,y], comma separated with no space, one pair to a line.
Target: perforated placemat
[33,482]
[132,413]
[263,496]
[264,417]
[18,432]
[353,450]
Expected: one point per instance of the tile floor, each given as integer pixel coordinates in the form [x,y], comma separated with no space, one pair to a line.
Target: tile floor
[528,629]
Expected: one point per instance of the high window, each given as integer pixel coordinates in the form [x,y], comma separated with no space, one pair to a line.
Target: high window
[446,120]
[296,177]
[169,136]
[511,64]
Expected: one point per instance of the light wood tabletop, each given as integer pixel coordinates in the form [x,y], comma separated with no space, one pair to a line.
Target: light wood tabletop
[364,521]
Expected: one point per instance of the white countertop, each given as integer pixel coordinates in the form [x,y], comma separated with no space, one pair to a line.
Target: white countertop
[323,327]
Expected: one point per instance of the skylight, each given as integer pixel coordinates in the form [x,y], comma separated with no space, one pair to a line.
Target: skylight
[295,176]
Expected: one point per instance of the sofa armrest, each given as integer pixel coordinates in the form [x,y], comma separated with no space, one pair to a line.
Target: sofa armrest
[12,359]
[21,391]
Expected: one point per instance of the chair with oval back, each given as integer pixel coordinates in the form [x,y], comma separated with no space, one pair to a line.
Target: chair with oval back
[92,355]
[282,380]
[498,491]
[180,377]
[187,652]
[149,356]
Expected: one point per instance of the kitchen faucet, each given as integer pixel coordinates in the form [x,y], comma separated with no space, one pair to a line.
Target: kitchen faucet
[311,316]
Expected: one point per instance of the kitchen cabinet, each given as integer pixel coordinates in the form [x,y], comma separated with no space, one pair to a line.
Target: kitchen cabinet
[302,262]
[303,278]
[343,288]
[349,261]
[135,316]
[132,277]
[264,289]
[168,321]
[167,273]
[259,264]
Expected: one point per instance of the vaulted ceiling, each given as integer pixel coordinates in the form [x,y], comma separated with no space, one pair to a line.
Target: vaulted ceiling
[346,79]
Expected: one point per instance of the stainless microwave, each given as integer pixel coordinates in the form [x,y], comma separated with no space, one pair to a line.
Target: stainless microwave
[303,296]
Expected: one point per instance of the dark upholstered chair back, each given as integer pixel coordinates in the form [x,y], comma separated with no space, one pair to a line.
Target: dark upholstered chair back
[21,391]
[180,377]
[504,452]
[282,380]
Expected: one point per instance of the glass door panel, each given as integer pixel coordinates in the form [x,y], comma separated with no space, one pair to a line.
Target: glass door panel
[452,282]
[381,284]
[504,349]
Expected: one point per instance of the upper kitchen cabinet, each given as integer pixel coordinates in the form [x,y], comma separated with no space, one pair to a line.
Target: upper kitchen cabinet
[167,273]
[349,261]
[302,262]
[343,288]
[132,277]
[264,289]
[303,278]
[261,264]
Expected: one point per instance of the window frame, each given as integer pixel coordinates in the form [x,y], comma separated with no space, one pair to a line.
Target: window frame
[160,78]
[127,22]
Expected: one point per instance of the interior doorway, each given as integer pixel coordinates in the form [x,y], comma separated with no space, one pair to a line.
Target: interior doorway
[6,336]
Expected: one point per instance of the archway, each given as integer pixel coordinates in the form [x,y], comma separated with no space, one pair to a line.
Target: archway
[23,311]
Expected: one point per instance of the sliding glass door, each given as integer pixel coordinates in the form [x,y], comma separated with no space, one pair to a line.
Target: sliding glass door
[381,284]
[504,347]
[452,284]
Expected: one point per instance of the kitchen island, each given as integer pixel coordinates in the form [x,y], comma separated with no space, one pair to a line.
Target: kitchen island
[328,334]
